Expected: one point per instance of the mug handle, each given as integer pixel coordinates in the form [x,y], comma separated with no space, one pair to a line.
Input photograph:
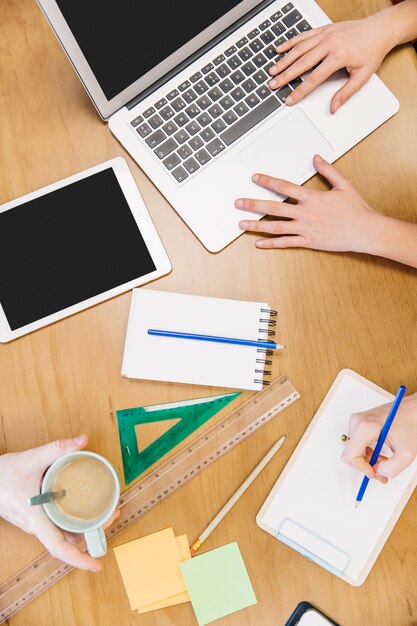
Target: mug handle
[96,542]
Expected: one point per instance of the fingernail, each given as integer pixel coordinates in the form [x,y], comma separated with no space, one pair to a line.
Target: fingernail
[336,105]
[318,158]
[289,99]
[79,440]
[260,244]
[255,178]
[272,83]
[243,225]
[239,204]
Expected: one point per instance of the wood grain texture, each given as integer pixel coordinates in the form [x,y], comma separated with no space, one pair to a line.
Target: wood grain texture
[335,311]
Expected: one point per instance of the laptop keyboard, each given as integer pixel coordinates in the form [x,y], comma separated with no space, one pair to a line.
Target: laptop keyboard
[217,105]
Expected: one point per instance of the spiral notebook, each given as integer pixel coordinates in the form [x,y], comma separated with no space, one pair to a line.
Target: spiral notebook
[197,362]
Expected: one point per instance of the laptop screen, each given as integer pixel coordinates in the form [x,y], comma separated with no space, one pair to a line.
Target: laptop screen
[123,40]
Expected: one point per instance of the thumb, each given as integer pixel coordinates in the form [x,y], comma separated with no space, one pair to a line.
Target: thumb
[355,82]
[394,465]
[47,454]
[335,178]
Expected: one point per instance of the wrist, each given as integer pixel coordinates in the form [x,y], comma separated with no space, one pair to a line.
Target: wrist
[394,239]
[389,32]
[381,236]
[398,23]
[375,235]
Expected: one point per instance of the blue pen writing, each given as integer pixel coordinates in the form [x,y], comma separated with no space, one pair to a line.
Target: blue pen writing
[381,440]
[270,345]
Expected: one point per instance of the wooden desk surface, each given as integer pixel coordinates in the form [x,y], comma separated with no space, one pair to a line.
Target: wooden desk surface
[335,311]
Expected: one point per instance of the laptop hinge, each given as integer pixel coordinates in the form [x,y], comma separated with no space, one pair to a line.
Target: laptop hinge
[197,54]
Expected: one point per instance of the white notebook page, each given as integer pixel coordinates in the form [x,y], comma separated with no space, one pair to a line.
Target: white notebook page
[319,491]
[187,361]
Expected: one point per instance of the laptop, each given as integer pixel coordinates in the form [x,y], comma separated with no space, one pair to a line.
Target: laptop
[183,87]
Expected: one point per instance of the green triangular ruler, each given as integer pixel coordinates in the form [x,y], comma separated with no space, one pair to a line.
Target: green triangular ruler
[191,415]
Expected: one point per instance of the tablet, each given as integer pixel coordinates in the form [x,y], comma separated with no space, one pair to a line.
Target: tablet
[73,244]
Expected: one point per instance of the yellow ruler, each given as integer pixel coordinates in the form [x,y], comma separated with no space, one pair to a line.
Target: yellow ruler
[166,479]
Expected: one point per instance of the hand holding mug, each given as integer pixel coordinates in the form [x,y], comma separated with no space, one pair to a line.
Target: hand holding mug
[20,478]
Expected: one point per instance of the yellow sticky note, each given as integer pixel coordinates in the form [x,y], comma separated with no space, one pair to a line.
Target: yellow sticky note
[149,568]
[182,542]
[180,598]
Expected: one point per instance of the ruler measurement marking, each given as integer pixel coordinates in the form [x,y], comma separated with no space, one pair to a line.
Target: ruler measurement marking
[244,412]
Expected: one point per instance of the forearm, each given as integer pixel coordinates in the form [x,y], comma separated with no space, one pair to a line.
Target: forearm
[399,22]
[394,239]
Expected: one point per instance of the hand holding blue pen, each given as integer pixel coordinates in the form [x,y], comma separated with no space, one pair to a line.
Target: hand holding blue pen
[381,440]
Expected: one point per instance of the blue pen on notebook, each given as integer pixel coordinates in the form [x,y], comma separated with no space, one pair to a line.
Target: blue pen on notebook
[381,440]
[270,345]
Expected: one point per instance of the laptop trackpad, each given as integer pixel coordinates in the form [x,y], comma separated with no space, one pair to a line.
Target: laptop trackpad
[286,150]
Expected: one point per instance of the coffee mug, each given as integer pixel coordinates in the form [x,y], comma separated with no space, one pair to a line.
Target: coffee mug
[91,527]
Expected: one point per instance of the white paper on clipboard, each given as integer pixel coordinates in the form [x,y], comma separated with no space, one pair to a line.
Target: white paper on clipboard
[311,507]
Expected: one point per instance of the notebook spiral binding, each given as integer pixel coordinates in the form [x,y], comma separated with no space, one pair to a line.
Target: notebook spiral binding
[265,334]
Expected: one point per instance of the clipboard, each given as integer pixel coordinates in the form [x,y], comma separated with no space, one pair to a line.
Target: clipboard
[311,507]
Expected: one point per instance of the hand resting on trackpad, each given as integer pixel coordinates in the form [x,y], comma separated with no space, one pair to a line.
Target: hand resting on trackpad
[286,150]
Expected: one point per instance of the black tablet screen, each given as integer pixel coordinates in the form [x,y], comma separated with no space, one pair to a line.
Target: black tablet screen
[67,246]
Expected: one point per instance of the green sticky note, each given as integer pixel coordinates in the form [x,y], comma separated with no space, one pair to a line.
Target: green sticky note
[218,583]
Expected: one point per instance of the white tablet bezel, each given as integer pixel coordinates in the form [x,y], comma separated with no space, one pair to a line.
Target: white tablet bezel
[145,225]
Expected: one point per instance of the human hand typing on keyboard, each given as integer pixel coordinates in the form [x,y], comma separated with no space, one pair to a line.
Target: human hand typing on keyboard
[338,220]
[359,46]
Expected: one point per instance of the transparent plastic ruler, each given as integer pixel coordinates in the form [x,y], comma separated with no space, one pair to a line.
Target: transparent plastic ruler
[200,454]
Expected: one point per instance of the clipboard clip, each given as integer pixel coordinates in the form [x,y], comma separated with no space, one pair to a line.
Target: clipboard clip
[313,546]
